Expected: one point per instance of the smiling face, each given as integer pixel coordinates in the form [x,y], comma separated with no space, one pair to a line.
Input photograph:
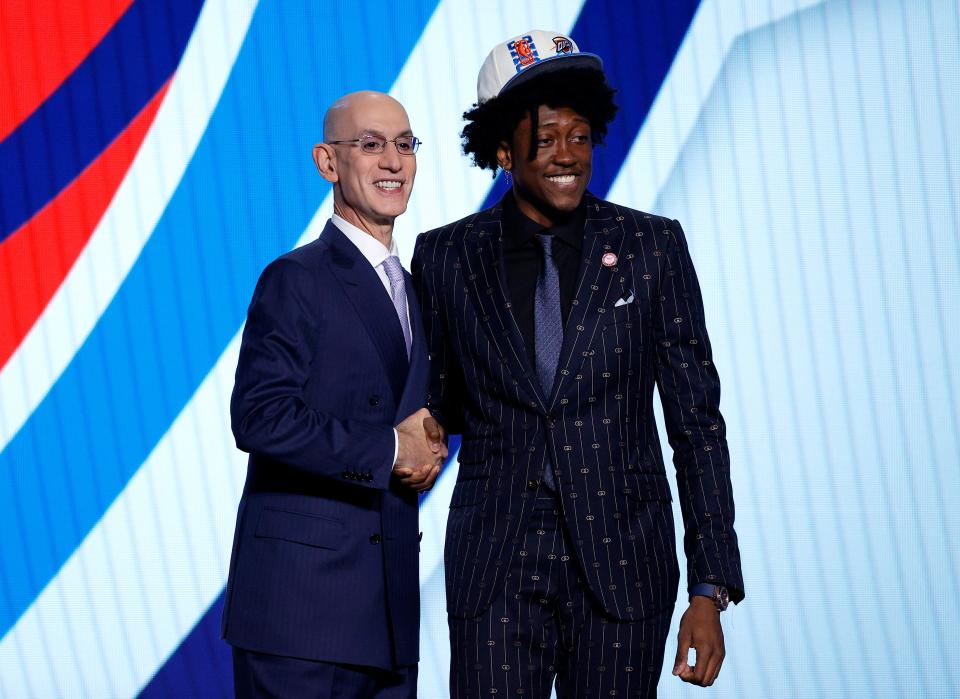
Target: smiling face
[369,190]
[551,185]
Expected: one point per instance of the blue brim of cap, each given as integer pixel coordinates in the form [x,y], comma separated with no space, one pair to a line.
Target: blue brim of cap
[566,61]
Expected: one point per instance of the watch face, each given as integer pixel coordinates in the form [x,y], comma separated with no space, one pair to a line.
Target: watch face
[722,598]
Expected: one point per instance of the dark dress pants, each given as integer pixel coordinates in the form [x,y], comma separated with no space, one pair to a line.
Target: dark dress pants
[263,676]
[546,626]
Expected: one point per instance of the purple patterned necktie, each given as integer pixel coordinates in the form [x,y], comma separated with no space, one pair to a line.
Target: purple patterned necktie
[548,321]
[398,290]
[548,328]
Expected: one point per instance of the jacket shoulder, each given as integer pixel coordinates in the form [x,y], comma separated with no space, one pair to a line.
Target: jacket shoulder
[456,230]
[308,255]
[629,217]
[296,269]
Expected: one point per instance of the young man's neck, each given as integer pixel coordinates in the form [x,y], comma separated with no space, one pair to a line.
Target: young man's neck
[544,216]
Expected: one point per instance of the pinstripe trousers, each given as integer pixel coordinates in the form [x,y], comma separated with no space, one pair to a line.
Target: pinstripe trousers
[546,626]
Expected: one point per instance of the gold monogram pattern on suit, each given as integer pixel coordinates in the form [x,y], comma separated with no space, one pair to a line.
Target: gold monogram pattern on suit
[598,421]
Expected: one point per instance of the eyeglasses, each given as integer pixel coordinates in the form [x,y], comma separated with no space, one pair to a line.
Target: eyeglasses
[374,145]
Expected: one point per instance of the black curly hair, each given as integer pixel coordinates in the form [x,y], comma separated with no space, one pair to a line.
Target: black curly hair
[584,90]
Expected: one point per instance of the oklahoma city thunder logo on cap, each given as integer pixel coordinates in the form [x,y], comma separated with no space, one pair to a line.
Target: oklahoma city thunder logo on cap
[562,44]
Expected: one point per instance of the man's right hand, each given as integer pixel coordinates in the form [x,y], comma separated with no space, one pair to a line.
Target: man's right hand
[421,451]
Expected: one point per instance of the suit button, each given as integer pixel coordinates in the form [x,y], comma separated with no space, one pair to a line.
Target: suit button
[374,401]
[551,421]
[533,484]
[375,539]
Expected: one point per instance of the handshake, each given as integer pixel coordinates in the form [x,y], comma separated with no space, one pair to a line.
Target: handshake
[421,451]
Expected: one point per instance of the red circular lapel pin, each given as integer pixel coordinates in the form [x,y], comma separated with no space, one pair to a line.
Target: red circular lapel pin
[609,259]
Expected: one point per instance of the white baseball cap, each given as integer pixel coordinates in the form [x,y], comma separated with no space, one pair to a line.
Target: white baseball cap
[523,57]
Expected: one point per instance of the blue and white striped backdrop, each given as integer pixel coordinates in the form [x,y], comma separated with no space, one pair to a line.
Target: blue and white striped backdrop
[810,148]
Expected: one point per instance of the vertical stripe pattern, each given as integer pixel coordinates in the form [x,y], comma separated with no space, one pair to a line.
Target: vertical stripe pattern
[545,626]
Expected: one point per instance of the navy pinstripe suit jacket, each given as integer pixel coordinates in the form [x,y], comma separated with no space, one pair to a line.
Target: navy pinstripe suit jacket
[636,321]
[325,556]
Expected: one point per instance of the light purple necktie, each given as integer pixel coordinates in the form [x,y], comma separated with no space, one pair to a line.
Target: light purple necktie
[398,290]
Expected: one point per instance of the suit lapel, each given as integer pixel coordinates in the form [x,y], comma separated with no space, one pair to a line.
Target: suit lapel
[597,289]
[372,303]
[482,252]
[414,390]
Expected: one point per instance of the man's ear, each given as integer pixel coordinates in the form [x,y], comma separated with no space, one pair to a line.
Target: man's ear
[504,155]
[326,159]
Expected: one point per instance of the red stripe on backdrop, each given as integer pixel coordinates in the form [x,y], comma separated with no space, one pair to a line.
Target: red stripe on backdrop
[35,259]
[41,43]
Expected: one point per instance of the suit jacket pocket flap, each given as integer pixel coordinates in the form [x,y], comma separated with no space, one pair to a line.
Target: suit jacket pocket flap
[627,312]
[471,452]
[648,486]
[300,528]
[469,492]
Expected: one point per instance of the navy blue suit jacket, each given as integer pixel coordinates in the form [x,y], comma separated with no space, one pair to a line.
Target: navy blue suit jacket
[636,322]
[325,555]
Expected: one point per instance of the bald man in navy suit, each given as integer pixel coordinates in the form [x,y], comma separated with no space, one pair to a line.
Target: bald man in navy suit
[323,594]
[550,318]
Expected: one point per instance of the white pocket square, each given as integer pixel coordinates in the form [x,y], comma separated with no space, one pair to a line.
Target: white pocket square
[624,300]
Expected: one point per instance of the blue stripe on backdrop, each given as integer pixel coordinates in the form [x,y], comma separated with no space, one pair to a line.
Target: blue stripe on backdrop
[637,74]
[92,106]
[201,667]
[637,42]
[246,197]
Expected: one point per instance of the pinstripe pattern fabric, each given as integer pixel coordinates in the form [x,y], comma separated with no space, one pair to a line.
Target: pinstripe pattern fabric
[325,557]
[597,425]
[545,623]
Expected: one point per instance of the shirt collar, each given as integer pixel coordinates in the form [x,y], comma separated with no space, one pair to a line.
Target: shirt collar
[369,247]
[520,229]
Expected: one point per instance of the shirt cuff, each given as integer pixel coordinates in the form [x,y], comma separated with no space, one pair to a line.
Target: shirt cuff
[396,447]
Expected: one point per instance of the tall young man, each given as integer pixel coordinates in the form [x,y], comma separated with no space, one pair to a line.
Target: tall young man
[550,318]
